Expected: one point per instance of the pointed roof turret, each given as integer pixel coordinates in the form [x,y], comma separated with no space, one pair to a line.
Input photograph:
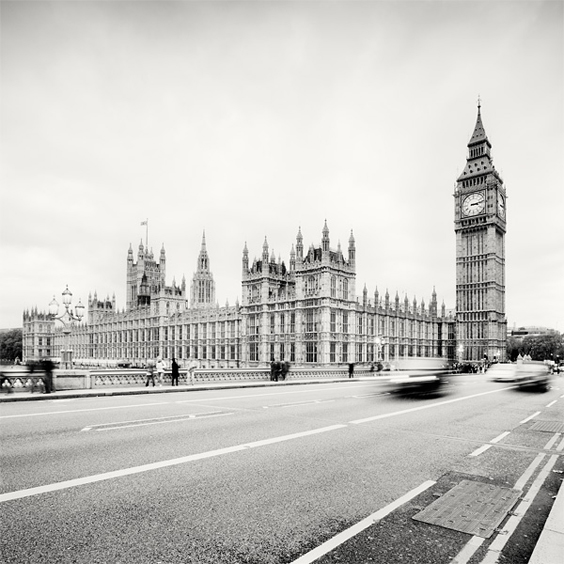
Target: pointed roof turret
[203,260]
[479,161]
[479,135]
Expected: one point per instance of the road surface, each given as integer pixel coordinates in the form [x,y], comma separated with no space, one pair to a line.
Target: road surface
[271,475]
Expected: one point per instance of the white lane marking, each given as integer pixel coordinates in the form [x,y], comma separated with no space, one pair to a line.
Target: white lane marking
[339,539]
[297,403]
[369,395]
[551,403]
[500,437]
[495,548]
[483,448]
[480,450]
[62,412]
[157,465]
[84,410]
[464,556]
[554,438]
[300,391]
[428,406]
[530,417]
[155,421]
[468,551]
[520,483]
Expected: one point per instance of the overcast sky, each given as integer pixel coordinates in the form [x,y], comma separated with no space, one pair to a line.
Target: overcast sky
[253,119]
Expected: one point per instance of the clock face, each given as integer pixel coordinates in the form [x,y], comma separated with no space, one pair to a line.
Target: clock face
[501,206]
[473,204]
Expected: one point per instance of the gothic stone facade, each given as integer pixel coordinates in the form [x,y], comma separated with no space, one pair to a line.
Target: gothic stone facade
[480,226]
[307,313]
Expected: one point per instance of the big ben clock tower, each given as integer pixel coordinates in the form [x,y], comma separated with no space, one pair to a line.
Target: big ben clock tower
[480,226]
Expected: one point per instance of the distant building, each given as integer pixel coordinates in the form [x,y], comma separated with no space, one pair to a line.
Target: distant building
[306,313]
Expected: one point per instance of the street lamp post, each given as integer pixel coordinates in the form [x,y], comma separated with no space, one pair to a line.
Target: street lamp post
[379,345]
[67,319]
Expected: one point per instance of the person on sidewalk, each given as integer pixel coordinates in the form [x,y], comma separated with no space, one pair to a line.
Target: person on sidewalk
[175,372]
[150,376]
[351,369]
[192,365]
[160,370]
[47,366]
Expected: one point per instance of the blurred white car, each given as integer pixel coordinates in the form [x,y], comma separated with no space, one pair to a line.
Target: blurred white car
[534,374]
[502,372]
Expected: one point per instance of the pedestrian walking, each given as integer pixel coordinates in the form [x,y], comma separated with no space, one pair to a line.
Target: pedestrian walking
[150,376]
[175,372]
[351,369]
[47,366]
[192,365]
[160,370]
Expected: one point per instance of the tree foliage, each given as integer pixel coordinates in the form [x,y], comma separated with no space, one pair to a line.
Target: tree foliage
[539,347]
[11,345]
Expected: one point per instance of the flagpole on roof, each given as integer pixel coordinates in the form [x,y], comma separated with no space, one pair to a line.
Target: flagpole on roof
[146,224]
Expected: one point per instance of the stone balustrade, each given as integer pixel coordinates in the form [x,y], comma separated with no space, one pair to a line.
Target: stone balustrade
[20,379]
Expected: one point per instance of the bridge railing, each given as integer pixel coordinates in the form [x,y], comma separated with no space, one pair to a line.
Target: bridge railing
[20,379]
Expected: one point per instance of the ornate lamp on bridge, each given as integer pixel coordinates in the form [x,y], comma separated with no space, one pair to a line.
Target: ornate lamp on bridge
[67,319]
[380,343]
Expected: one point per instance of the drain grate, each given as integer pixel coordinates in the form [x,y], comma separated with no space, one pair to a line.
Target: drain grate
[548,426]
[470,507]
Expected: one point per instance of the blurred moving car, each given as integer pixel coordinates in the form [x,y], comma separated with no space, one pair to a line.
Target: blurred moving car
[524,373]
[418,376]
[502,372]
[533,374]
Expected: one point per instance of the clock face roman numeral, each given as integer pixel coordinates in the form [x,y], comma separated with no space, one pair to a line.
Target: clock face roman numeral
[473,204]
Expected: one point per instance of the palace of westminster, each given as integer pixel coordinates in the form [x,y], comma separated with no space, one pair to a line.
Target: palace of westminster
[306,312]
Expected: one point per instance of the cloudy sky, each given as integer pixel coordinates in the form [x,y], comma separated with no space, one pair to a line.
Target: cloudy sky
[253,119]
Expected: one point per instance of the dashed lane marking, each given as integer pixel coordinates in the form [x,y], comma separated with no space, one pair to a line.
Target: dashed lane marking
[153,421]
[530,417]
[480,450]
[500,437]
[297,403]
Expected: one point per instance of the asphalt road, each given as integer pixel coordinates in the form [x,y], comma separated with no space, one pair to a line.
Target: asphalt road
[268,475]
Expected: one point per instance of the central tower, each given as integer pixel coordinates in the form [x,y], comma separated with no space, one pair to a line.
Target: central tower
[480,226]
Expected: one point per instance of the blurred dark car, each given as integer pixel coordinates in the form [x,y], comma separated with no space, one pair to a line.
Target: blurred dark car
[418,376]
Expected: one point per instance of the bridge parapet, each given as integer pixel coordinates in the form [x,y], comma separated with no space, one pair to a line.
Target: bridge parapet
[21,379]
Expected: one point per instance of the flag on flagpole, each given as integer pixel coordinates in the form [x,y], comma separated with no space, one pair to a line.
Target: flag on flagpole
[144,223]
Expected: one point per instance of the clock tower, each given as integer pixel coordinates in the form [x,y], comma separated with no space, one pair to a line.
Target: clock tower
[480,226]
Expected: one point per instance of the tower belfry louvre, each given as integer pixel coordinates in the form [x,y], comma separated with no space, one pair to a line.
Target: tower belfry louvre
[480,226]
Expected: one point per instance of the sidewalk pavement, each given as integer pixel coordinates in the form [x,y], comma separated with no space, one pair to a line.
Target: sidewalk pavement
[550,545]
[166,389]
